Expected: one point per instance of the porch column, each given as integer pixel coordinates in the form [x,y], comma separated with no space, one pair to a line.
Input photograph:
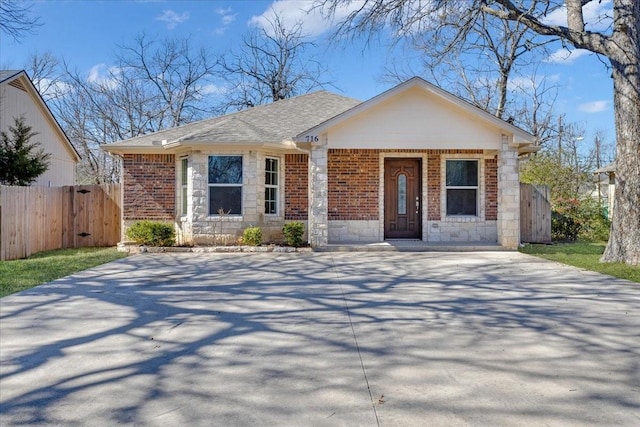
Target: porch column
[318,194]
[508,196]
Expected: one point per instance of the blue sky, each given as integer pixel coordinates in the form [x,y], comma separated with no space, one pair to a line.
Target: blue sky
[86,32]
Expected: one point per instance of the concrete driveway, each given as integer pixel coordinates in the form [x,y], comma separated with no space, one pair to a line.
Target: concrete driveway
[323,339]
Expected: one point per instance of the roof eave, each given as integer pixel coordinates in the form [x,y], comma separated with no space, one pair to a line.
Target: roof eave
[45,110]
[163,148]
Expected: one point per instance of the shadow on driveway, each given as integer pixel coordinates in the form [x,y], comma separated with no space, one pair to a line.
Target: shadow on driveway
[323,339]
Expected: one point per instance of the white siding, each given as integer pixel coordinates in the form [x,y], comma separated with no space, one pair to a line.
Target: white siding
[15,102]
[415,119]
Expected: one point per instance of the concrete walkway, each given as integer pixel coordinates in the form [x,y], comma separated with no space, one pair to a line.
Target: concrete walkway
[323,339]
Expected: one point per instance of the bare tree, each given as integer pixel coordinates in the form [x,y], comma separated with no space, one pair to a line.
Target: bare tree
[619,44]
[174,78]
[488,62]
[17,19]
[152,85]
[271,65]
[491,49]
[46,73]
[535,108]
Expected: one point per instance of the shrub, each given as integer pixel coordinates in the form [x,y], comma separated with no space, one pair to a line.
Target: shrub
[574,219]
[565,219]
[293,233]
[252,236]
[152,233]
[594,225]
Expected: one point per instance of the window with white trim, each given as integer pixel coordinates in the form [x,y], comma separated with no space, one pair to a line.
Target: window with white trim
[225,185]
[271,186]
[462,187]
[184,165]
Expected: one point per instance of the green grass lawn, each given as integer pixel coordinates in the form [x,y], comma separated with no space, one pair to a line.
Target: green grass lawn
[43,267]
[583,255]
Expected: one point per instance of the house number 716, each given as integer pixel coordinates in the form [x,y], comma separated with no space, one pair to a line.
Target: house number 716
[312,138]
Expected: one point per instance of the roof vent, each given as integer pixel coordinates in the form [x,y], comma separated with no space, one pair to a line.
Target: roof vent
[17,84]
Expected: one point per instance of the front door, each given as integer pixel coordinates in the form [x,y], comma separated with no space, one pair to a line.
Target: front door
[402,206]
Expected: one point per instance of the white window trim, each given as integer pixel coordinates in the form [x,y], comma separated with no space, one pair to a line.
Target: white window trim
[480,198]
[277,186]
[230,216]
[184,187]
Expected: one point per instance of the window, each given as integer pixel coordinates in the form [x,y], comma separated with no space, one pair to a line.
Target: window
[184,164]
[225,185]
[402,194]
[462,187]
[271,186]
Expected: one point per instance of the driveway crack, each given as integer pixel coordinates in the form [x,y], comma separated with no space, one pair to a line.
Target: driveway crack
[355,340]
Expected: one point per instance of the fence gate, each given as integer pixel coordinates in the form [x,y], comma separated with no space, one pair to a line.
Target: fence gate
[94,211]
[34,219]
[535,214]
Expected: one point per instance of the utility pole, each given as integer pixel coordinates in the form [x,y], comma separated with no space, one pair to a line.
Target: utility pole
[597,142]
[560,131]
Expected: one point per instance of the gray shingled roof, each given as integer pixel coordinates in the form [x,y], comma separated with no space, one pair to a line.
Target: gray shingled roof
[7,74]
[610,168]
[272,123]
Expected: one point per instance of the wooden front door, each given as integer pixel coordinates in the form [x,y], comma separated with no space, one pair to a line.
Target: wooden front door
[402,198]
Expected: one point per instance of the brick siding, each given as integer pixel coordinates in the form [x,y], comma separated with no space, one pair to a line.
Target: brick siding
[149,186]
[491,189]
[433,187]
[354,179]
[296,186]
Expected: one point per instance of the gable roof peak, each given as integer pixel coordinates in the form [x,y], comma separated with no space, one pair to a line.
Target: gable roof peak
[417,81]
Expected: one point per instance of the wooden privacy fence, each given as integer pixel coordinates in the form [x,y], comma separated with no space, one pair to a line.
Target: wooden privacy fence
[34,219]
[535,213]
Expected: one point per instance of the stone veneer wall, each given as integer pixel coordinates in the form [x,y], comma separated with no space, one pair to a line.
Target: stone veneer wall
[148,184]
[508,223]
[201,227]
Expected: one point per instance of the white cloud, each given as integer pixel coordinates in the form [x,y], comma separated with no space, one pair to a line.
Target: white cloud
[594,106]
[103,75]
[292,12]
[211,89]
[94,73]
[530,83]
[51,89]
[597,15]
[172,18]
[227,18]
[566,56]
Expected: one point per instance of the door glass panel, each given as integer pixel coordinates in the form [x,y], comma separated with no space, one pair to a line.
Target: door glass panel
[402,194]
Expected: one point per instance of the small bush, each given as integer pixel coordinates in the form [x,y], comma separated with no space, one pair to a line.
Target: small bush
[152,233]
[574,219]
[252,236]
[293,233]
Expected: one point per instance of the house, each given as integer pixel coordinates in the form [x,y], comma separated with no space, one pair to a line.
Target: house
[19,97]
[610,171]
[414,162]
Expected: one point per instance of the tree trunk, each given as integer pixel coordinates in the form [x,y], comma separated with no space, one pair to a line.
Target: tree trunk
[624,240]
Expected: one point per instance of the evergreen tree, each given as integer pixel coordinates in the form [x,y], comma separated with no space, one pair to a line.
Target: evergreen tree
[21,161]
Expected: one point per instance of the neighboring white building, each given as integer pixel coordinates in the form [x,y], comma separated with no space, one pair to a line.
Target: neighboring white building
[610,170]
[19,97]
